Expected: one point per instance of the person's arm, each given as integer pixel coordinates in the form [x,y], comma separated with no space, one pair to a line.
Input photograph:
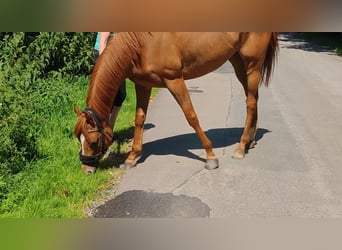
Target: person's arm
[103,41]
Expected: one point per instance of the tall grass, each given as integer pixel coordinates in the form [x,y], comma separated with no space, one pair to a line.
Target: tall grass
[42,75]
[54,186]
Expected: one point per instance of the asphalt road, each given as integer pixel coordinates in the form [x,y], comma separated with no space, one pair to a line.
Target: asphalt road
[294,170]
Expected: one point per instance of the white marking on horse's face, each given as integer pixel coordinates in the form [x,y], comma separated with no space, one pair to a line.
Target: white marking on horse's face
[82,139]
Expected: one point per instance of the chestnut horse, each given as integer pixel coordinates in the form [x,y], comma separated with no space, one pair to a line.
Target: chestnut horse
[166,60]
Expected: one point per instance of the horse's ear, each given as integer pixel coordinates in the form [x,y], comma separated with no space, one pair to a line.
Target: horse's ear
[77,110]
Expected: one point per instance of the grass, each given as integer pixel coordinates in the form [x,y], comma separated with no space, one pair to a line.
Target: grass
[331,39]
[54,186]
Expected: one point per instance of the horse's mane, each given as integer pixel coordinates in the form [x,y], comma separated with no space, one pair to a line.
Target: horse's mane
[111,69]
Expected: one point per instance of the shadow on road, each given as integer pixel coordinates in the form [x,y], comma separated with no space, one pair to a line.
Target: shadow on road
[181,144]
[298,41]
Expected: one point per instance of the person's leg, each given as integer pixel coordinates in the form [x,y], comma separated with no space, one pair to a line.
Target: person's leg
[96,55]
[119,98]
[113,115]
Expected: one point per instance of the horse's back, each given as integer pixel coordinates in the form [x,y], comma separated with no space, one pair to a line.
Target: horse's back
[191,54]
[186,54]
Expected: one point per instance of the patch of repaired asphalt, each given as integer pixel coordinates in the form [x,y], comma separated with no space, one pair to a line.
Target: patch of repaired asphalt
[141,204]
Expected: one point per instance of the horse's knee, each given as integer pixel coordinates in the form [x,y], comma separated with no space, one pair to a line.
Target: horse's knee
[192,120]
[140,118]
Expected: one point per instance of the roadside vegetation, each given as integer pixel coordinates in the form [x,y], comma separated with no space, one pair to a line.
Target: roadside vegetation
[41,76]
[331,39]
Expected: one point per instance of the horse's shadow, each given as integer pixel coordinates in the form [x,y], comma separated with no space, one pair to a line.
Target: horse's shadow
[181,145]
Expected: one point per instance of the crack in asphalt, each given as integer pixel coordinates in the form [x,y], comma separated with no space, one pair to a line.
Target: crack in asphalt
[186,180]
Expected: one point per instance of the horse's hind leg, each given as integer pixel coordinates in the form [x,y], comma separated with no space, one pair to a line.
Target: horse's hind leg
[179,91]
[249,75]
[143,97]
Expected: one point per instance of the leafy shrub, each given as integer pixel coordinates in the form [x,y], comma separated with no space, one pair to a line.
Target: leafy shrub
[30,66]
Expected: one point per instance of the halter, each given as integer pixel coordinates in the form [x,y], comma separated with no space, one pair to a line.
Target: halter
[93,160]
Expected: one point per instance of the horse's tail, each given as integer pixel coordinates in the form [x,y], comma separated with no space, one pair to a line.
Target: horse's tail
[270,58]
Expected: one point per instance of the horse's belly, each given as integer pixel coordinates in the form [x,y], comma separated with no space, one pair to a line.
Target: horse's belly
[198,70]
[153,81]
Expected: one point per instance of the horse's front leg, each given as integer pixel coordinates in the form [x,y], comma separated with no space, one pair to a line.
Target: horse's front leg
[143,97]
[179,91]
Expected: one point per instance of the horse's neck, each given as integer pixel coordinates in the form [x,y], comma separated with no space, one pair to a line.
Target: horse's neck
[108,74]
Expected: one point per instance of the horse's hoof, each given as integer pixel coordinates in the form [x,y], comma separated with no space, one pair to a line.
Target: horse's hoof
[238,154]
[252,144]
[128,165]
[88,169]
[211,164]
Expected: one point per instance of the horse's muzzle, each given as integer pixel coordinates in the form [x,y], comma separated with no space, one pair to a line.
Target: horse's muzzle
[90,163]
[88,170]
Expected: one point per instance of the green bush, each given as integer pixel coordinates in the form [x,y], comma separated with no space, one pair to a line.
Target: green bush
[331,39]
[30,66]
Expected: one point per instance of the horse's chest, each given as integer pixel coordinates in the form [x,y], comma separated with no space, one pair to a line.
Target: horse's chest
[146,77]
[156,72]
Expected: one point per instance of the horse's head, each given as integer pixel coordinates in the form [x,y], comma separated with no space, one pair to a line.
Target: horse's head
[95,137]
